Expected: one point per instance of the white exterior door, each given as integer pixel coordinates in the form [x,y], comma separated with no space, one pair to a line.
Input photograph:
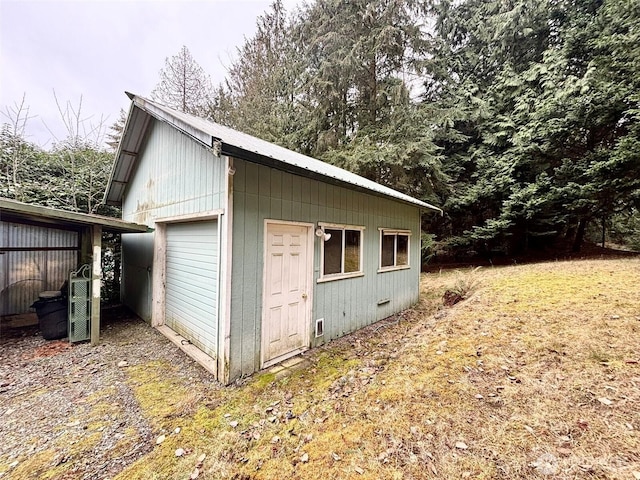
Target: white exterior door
[191,292]
[288,273]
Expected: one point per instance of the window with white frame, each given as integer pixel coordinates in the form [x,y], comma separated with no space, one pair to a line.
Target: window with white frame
[341,251]
[394,249]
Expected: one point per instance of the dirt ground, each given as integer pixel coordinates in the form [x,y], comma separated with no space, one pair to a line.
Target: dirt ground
[70,410]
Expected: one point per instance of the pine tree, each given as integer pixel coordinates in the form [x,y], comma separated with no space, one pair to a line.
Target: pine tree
[116,129]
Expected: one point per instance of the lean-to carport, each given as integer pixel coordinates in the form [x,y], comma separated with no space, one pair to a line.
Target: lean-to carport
[89,228]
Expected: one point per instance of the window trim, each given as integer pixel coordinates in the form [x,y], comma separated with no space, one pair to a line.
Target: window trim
[395,232]
[339,276]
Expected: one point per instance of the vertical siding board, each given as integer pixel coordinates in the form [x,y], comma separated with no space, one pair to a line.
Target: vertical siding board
[239,178]
[174,176]
[252,285]
[252,178]
[313,192]
[322,202]
[305,190]
[264,181]
[296,198]
[287,204]
[238,306]
[275,194]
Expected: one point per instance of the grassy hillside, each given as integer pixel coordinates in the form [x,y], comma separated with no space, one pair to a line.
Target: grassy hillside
[534,375]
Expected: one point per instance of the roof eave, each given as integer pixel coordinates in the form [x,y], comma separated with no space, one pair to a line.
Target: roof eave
[24,213]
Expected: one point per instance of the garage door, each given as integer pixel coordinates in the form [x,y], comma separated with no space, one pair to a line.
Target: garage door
[191,302]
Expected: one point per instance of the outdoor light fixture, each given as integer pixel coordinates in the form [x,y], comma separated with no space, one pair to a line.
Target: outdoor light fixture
[320,233]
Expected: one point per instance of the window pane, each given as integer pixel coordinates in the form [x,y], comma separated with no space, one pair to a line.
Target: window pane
[352,251]
[387,250]
[333,252]
[402,256]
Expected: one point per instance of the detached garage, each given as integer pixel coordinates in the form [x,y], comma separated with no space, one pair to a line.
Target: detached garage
[258,253]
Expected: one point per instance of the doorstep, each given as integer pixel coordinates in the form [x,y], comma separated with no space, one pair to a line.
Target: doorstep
[288,366]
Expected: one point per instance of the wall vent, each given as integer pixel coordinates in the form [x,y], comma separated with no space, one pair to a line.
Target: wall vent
[319,327]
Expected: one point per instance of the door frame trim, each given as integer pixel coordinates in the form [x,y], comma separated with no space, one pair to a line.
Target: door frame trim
[310,262]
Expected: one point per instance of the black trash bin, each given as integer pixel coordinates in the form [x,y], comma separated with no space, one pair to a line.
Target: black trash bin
[53,311]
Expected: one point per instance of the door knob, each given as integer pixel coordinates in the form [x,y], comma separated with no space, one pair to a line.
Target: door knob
[304,295]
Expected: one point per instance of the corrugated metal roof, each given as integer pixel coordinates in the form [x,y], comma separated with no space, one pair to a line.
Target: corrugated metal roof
[234,143]
[18,212]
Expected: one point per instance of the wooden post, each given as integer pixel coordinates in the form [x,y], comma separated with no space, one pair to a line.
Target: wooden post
[96,278]
[158,284]
[84,255]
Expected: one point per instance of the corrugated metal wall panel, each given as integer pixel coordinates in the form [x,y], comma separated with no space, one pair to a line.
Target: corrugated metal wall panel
[346,305]
[192,266]
[23,275]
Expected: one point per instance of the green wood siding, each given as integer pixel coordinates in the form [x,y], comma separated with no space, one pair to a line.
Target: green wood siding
[260,193]
[174,175]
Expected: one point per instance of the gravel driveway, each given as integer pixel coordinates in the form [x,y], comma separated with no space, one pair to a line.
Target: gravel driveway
[74,406]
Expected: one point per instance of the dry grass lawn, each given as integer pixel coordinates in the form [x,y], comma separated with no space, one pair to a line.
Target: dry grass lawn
[535,375]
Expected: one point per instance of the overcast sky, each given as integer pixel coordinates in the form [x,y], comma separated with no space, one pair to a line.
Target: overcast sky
[95,50]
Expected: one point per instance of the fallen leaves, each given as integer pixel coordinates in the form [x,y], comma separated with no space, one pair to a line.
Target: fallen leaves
[49,349]
[195,473]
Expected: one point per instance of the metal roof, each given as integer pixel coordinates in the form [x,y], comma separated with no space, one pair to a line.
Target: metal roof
[18,212]
[233,143]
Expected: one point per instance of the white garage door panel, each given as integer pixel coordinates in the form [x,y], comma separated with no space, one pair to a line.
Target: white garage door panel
[191,299]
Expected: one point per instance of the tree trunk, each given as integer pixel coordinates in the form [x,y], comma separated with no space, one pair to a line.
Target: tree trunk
[577,242]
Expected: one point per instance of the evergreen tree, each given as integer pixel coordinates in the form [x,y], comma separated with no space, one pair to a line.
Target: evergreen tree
[542,124]
[261,94]
[116,130]
[363,60]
